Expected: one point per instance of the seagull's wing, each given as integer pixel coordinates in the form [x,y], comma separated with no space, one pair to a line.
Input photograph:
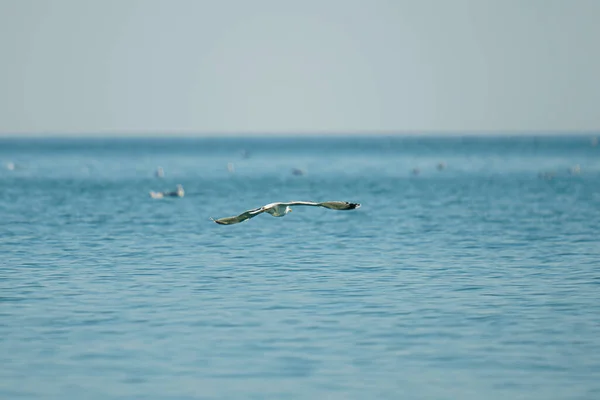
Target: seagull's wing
[240,218]
[339,205]
[301,203]
[333,205]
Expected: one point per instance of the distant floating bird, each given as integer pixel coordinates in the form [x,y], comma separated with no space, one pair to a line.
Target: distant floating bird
[416,171]
[159,172]
[179,192]
[281,209]
[297,172]
[441,166]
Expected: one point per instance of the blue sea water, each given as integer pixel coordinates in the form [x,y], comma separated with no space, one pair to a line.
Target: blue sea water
[477,281]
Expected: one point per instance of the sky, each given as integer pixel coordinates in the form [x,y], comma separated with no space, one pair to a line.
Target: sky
[195,67]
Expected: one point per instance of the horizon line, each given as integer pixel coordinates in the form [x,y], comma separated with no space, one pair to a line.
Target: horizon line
[257,134]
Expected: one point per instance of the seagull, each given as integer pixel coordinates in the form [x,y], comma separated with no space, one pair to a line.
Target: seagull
[280,209]
[179,192]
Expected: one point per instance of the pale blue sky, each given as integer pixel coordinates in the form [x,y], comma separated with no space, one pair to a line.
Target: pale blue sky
[275,66]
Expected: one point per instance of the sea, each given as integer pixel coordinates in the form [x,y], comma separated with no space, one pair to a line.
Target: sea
[471,270]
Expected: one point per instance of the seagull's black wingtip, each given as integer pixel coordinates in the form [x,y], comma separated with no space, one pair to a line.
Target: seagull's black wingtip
[352,206]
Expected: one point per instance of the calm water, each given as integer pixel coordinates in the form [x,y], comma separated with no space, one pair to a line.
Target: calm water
[478,281]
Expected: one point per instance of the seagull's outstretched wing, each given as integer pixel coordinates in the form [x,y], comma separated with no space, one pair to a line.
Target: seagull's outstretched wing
[333,205]
[240,218]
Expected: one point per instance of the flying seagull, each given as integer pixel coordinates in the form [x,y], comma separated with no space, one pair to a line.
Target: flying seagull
[280,209]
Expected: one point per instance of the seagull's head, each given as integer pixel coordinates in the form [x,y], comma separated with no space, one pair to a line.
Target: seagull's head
[288,209]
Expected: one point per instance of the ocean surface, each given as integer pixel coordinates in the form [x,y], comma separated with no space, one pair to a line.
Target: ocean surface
[476,278]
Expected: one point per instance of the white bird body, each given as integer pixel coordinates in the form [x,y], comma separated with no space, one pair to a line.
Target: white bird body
[281,209]
[277,209]
[178,192]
